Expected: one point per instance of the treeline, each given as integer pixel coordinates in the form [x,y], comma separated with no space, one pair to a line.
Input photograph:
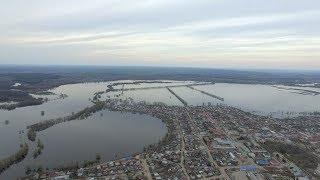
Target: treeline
[176,95]
[206,93]
[13,95]
[22,98]
[86,163]
[38,150]
[111,86]
[40,126]
[31,134]
[29,102]
[15,158]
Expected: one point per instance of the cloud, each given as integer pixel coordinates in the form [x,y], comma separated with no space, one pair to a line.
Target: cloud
[161,32]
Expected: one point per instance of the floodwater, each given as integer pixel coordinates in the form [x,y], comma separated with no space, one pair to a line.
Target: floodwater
[193,97]
[110,134]
[152,96]
[264,99]
[256,98]
[260,99]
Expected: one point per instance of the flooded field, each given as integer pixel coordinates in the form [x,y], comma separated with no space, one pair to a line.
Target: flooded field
[279,101]
[193,97]
[264,99]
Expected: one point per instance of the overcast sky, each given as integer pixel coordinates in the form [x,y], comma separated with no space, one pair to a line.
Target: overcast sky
[197,33]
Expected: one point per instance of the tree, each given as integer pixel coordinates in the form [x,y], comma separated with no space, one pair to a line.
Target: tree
[31,134]
[98,157]
[28,170]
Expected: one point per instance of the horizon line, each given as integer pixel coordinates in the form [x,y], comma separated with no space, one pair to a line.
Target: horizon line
[167,66]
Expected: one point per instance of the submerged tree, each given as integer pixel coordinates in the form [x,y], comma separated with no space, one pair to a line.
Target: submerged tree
[31,134]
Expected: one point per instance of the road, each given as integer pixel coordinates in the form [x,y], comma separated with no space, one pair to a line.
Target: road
[222,171]
[145,167]
[182,150]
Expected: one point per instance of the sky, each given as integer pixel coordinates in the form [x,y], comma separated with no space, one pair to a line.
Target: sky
[190,33]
